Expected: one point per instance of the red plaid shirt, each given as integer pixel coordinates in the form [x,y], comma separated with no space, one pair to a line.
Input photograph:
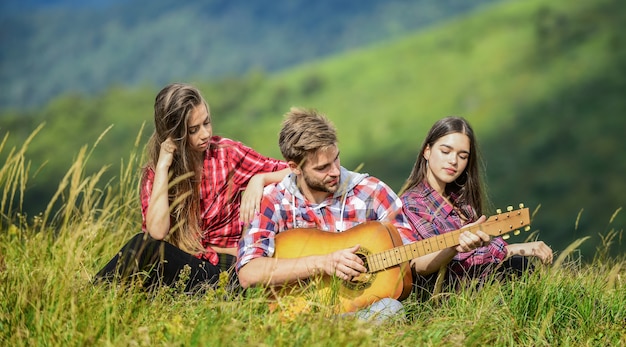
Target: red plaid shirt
[283,207]
[228,166]
[430,215]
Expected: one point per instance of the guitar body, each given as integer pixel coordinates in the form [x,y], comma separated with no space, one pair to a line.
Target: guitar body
[346,296]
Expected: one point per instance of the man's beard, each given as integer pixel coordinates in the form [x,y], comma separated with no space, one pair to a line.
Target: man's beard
[319,186]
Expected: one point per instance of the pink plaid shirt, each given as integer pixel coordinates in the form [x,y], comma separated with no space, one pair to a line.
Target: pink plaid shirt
[430,215]
[228,167]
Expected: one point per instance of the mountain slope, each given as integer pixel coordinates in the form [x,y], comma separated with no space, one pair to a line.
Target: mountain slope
[60,48]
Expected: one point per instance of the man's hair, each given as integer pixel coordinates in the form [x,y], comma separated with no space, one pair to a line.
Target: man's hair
[305,131]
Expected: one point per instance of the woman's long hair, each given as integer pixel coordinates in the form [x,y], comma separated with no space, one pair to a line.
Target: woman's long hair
[172,108]
[468,185]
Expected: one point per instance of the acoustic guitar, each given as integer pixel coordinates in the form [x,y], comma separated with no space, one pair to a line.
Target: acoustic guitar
[384,256]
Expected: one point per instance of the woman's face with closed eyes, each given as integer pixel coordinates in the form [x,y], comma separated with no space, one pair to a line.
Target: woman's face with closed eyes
[447,159]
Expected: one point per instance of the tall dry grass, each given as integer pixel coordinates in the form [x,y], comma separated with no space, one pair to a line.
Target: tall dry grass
[47,262]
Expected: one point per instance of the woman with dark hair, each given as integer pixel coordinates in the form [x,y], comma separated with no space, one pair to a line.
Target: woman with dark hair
[444,193]
[192,190]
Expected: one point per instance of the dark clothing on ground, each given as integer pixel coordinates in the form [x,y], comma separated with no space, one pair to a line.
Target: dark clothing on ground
[155,263]
[511,268]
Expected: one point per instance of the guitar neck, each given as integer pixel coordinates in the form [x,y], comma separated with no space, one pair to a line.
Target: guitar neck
[495,226]
[394,256]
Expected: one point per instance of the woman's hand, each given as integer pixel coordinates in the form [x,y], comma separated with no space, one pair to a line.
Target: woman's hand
[471,240]
[166,154]
[531,249]
[158,212]
[251,199]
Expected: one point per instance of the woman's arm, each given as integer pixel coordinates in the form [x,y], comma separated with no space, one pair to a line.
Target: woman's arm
[251,198]
[531,249]
[468,241]
[158,213]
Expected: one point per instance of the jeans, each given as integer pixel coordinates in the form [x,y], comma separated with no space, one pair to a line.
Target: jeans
[381,310]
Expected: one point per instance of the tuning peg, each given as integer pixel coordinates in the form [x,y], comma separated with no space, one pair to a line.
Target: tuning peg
[516,232]
[527,228]
[506,236]
[521,205]
[498,211]
[509,208]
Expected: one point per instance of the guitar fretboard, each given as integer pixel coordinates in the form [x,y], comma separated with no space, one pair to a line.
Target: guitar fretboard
[401,254]
[495,226]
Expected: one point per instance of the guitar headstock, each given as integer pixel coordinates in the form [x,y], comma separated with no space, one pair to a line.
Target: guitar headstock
[503,223]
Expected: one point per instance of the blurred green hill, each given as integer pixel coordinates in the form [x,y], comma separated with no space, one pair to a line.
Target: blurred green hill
[542,83]
[53,47]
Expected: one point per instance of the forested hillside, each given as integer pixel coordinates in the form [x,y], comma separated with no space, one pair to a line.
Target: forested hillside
[54,47]
[541,81]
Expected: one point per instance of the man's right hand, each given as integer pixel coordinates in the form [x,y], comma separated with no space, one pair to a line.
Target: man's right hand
[344,264]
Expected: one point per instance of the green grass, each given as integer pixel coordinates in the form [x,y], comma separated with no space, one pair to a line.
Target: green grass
[47,299]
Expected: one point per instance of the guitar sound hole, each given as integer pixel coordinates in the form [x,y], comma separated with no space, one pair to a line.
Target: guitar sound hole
[363,258]
[364,280]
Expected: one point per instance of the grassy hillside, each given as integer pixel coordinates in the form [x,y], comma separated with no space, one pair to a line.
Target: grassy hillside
[541,82]
[47,264]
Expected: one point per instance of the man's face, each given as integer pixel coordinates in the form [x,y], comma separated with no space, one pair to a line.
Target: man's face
[320,174]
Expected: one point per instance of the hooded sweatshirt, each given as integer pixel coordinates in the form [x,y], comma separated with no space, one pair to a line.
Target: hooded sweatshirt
[360,198]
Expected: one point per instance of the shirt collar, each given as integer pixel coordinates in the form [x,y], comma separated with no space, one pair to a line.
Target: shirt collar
[430,194]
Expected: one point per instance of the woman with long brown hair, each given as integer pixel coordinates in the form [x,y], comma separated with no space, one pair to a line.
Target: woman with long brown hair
[444,192]
[197,191]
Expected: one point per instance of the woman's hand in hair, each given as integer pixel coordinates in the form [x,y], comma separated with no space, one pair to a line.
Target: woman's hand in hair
[157,214]
[166,154]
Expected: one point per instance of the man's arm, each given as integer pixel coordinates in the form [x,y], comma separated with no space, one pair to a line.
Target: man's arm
[272,271]
[344,263]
